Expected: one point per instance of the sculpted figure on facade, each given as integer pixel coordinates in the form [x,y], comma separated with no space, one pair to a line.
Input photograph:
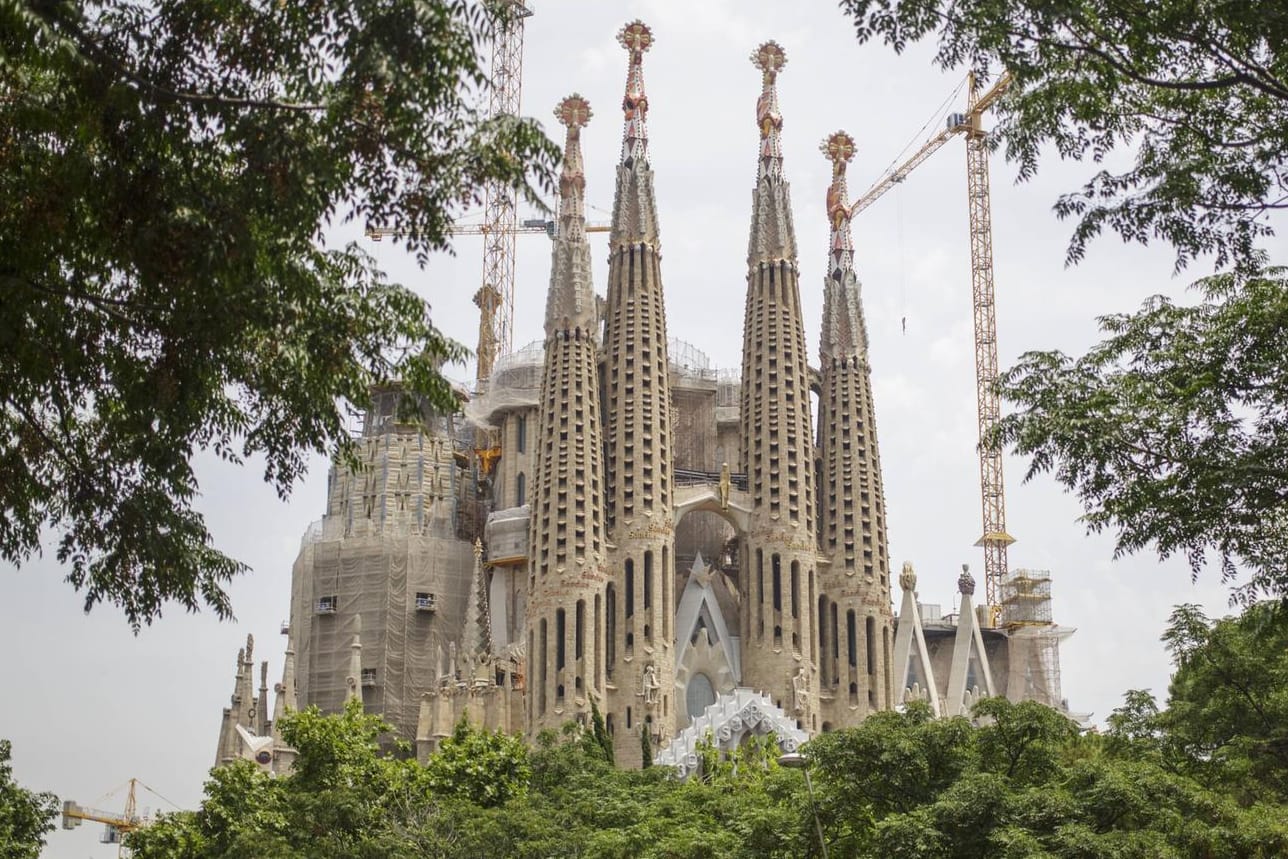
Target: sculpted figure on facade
[650,685]
[800,690]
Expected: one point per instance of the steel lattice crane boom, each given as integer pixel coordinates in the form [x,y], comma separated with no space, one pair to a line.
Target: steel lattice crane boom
[495,297]
[995,539]
[115,825]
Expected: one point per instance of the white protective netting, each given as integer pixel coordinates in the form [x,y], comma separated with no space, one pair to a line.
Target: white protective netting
[386,559]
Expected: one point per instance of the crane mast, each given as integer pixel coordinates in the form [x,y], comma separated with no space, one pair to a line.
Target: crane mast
[993,501]
[495,298]
[995,539]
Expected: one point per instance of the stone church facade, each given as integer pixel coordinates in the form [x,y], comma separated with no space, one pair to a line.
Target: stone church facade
[613,525]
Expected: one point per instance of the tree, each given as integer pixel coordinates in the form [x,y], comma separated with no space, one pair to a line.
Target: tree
[1174,431]
[344,798]
[489,768]
[25,816]
[1197,89]
[170,170]
[1022,782]
[1227,708]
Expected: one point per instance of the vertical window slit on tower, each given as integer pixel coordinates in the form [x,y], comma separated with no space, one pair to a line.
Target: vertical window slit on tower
[561,623]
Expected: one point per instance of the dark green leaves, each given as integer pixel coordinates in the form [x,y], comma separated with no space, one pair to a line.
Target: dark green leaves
[1198,90]
[168,172]
[25,816]
[1174,431]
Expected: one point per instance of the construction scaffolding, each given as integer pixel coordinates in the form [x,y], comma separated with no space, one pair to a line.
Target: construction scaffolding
[1026,598]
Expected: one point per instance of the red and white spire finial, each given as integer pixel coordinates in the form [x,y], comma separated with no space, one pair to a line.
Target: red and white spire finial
[573,113]
[839,149]
[770,59]
[636,38]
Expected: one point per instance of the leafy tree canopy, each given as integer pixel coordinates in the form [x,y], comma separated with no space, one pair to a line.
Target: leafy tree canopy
[1173,432]
[1198,90]
[25,816]
[1226,720]
[1015,780]
[169,170]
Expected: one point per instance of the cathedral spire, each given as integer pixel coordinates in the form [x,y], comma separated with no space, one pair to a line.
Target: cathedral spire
[856,671]
[477,637]
[779,642]
[844,330]
[773,237]
[635,208]
[770,59]
[573,113]
[636,38]
[570,303]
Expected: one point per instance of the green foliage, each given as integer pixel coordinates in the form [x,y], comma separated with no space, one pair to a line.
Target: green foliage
[1022,783]
[600,733]
[646,748]
[1198,90]
[1200,778]
[25,816]
[484,767]
[1174,430]
[169,170]
[1227,711]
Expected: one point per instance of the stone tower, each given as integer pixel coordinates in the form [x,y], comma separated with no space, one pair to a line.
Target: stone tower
[568,573]
[641,655]
[856,638]
[779,556]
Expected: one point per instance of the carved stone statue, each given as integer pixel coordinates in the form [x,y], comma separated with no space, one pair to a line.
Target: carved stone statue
[725,485]
[800,689]
[650,685]
[908,578]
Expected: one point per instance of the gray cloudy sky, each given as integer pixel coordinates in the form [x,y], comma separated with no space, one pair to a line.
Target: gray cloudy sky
[89,705]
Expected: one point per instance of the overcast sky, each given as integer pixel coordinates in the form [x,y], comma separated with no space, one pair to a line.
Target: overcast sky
[88,705]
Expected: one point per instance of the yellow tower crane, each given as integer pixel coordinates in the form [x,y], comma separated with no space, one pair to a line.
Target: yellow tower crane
[995,539]
[115,826]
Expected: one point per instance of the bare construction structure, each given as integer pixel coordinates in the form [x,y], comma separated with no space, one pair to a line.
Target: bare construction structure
[687,551]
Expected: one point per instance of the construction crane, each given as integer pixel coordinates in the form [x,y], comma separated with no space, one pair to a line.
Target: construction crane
[495,298]
[995,539]
[116,826]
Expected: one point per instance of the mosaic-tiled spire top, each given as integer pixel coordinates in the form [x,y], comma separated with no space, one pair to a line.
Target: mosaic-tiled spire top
[570,303]
[839,149]
[844,330]
[634,204]
[770,59]
[573,113]
[636,38]
[773,237]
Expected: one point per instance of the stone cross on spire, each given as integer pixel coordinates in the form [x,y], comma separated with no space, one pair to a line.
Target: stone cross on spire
[770,59]
[573,113]
[636,38]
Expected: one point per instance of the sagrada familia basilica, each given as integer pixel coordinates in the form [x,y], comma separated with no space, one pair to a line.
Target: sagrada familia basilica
[690,552]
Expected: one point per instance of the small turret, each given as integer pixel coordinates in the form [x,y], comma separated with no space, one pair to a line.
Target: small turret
[354,679]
